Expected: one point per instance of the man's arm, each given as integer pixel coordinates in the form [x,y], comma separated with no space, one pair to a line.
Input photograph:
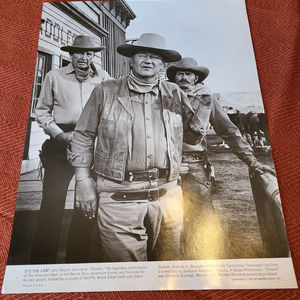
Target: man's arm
[44,115]
[44,108]
[82,154]
[232,136]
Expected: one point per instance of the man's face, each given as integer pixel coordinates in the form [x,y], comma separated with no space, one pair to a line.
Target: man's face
[146,66]
[82,60]
[186,79]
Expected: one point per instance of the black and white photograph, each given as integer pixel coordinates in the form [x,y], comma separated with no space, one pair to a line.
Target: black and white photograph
[147,156]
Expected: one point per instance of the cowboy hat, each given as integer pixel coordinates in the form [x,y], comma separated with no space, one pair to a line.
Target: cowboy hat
[187,64]
[149,42]
[83,43]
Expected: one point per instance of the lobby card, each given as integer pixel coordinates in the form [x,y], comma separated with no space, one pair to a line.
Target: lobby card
[238,239]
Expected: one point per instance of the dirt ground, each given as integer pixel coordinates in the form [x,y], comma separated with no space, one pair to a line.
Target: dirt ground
[230,232]
[235,207]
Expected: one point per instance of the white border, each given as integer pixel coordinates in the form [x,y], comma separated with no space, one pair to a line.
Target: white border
[268,273]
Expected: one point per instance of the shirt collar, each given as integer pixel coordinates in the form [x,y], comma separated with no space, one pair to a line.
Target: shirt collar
[70,70]
[154,90]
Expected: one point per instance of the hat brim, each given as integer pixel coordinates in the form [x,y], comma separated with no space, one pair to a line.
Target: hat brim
[129,50]
[201,72]
[75,48]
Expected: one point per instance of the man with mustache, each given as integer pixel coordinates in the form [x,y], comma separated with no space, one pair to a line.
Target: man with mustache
[202,238]
[138,122]
[64,94]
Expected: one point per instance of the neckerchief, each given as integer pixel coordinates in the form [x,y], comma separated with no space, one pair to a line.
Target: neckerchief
[199,89]
[140,86]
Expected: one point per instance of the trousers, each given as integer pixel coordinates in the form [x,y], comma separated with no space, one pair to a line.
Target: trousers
[202,235]
[57,177]
[139,230]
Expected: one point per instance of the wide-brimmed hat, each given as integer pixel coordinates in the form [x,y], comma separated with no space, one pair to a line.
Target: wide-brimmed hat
[149,42]
[187,64]
[83,43]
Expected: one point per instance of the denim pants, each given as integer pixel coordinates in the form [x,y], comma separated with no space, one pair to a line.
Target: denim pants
[139,230]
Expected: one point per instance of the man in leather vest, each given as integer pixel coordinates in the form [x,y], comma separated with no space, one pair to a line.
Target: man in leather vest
[202,237]
[139,122]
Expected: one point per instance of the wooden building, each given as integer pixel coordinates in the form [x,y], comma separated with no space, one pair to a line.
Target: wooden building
[105,21]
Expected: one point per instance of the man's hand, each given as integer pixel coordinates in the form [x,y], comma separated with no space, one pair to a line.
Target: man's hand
[261,168]
[254,165]
[86,197]
[65,138]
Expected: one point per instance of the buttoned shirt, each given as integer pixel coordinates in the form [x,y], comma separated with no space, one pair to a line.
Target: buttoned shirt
[109,116]
[149,144]
[63,98]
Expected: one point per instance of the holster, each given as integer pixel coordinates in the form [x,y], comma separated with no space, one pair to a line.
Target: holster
[43,153]
[201,158]
[210,171]
[54,149]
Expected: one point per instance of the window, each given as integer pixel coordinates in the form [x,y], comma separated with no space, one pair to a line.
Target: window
[43,65]
[64,60]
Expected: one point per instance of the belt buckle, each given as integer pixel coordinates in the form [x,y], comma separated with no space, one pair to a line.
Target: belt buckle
[130,174]
[153,194]
[153,177]
[153,174]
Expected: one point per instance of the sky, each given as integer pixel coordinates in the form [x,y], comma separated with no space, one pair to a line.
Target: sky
[214,32]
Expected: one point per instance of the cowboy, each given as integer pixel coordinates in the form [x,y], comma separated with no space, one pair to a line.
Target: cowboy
[64,93]
[138,121]
[201,225]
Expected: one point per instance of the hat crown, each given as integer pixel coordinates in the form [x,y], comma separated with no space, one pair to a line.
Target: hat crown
[151,40]
[84,41]
[187,62]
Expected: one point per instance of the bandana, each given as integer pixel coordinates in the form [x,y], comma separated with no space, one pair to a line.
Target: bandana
[140,86]
[199,89]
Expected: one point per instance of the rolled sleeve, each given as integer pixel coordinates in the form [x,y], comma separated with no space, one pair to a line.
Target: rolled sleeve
[84,160]
[52,129]
[44,108]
